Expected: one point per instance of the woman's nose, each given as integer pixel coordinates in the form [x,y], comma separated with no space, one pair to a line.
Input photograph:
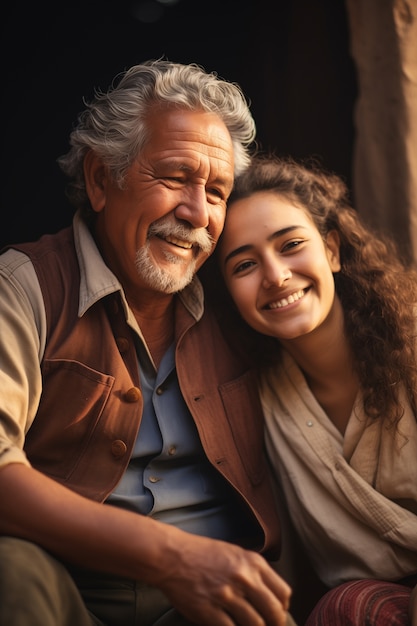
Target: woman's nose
[276,274]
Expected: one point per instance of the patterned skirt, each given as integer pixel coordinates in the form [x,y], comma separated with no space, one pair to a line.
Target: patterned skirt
[365,603]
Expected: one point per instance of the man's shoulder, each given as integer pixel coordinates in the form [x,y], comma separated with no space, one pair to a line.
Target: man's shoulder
[47,243]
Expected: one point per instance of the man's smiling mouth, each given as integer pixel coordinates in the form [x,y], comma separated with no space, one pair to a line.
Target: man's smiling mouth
[181,236]
[180,243]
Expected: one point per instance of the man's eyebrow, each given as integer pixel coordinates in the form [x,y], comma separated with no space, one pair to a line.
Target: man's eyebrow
[247,247]
[178,164]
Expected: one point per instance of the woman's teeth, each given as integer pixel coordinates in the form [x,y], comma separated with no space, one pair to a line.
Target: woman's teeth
[286,301]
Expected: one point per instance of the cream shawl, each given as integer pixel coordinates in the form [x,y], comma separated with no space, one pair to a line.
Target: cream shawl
[352,499]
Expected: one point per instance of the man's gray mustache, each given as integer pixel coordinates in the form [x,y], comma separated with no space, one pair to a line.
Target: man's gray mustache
[196,236]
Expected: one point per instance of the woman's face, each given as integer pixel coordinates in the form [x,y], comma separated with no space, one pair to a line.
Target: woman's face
[277,267]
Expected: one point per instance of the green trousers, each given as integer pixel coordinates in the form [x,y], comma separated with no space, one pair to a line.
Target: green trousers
[38,590]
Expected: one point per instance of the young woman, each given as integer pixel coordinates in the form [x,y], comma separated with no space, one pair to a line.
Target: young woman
[329,314]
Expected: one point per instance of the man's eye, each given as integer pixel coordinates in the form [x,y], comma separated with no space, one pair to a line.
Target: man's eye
[215,193]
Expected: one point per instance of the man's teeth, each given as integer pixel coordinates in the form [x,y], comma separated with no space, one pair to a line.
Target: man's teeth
[286,301]
[179,242]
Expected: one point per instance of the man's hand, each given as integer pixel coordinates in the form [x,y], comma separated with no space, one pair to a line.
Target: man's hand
[210,582]
[216,583]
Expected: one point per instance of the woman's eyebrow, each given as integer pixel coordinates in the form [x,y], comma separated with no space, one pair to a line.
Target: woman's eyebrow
[237,251]
[249,246]
[284,231]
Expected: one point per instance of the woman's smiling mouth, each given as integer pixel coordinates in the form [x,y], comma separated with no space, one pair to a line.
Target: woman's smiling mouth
[279,304]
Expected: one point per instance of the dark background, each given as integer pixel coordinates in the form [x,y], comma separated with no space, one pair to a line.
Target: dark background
[291,59]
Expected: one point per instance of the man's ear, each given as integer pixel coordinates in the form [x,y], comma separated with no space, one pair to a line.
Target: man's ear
[95,180]
[333,250]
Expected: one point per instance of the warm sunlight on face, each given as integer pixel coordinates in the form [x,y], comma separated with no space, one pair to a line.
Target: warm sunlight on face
[158,229]
[276,265]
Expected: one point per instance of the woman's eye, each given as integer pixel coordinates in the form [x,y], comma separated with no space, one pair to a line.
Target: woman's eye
[243,266]
[292,245]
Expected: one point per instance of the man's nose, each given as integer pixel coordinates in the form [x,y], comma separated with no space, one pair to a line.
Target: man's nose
[194,207]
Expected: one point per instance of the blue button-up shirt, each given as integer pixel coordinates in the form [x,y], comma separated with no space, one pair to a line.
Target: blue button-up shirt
[169,476]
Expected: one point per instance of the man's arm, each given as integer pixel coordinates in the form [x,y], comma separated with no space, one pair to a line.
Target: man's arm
[208,581]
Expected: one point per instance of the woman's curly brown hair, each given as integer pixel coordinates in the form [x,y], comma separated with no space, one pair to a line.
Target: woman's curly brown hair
[378,293]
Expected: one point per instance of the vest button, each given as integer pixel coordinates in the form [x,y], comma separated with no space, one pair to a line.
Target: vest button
[122,344]
[118,448]
[133,394]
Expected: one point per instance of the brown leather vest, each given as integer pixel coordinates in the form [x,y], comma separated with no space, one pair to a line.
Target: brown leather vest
[91,403]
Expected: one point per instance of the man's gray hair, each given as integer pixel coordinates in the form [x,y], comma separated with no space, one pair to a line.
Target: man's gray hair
[113,124]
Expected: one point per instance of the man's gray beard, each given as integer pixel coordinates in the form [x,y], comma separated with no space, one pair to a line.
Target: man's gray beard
[159,279]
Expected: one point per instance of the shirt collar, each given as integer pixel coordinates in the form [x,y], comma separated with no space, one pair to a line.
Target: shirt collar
[98,281]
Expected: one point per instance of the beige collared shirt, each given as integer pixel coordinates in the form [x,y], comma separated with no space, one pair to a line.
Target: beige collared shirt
[352,499]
